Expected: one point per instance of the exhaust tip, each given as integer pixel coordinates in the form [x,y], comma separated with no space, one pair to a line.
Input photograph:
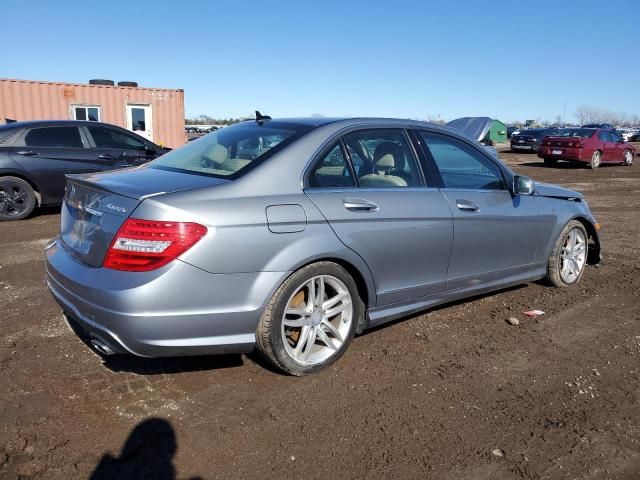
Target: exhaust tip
[101,347]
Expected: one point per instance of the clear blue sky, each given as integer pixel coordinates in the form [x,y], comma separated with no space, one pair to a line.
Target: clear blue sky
[508,59]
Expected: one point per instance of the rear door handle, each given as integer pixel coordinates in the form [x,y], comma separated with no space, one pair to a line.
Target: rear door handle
[359,205]
[466,206]
[27,153]
[105,157]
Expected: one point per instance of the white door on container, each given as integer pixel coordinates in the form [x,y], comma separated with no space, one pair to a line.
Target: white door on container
[140,121]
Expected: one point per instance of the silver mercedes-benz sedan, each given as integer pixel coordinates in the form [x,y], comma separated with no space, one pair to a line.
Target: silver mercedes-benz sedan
[293,235]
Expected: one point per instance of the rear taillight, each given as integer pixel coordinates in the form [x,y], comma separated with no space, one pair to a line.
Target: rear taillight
[574,144]
[143,245]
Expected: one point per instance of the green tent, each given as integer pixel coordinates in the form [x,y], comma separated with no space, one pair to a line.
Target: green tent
[497,133]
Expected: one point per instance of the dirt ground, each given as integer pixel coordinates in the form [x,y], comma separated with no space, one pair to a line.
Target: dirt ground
[455,393]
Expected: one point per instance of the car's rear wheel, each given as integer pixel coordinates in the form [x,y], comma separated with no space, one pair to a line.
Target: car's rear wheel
[569,256]
[311,319]
[17,198]
[628,158]
[596,159]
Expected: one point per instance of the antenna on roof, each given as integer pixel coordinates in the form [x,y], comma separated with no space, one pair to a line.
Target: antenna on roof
[261,118]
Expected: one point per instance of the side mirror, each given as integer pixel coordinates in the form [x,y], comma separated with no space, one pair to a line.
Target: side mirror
[523,185]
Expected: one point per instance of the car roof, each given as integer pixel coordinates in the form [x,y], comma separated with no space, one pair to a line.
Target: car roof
[41,123]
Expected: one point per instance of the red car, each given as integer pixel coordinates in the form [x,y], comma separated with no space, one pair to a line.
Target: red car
[592,146]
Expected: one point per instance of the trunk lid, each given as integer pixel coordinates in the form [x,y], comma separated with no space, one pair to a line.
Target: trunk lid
[96,205]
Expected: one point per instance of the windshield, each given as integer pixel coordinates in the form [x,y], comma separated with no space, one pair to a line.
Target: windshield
[231,151]
[575,132]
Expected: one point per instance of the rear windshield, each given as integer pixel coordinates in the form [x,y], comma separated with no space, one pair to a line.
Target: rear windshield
[231,151]
[575,132]
[531,133]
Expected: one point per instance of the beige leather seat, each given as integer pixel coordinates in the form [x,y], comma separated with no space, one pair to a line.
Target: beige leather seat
[218,155]
[387,159]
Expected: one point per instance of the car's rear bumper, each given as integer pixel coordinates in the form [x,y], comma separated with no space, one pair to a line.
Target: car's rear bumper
[173,311]
[571,154]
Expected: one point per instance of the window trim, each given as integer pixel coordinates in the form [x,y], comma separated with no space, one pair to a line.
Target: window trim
[506,179]
[86,106]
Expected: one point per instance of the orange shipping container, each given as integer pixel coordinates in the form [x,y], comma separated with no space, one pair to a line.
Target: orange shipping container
[155,113]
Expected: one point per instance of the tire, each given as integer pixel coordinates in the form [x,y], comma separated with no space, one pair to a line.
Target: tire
[596,160]
[628,158]
[17,199]
[556,274]
[297,356]
[550,162]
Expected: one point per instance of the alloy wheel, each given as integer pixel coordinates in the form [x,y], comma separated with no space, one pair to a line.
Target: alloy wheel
[14,199]
[317,320]
[573,256]
[595,160]
[628,158]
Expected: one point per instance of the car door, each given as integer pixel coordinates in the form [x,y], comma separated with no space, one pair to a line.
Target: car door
[618,147]
[370,189]
[495,234]
[116,148]
[51,152]
[606,146]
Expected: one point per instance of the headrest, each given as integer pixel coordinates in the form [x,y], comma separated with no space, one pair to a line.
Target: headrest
[218,154]
[388,155]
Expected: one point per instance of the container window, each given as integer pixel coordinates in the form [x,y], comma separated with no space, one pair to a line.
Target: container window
[86,112]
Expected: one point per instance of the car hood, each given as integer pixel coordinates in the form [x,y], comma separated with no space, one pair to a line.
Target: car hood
[142,182]
[556,191]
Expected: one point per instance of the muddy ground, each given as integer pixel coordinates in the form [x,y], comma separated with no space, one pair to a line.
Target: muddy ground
[455,393]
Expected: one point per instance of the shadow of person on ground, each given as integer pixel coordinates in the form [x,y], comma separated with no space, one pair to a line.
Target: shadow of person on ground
[147,454]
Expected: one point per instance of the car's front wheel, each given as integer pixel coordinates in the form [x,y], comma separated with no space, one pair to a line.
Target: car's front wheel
[628,158]
[569,256]
[17,198]
[311,319]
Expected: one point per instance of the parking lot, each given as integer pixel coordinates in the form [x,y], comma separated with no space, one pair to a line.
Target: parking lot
[455,393]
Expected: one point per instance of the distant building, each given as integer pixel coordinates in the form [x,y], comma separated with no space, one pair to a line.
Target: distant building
[155,113]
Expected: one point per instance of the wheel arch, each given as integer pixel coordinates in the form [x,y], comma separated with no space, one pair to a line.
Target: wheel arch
[594,255]
[363,281]
[29,180]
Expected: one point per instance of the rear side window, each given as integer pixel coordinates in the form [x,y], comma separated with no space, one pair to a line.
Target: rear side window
[604,136]
[461,166]
[331,171]
[68,137]
[109,138]
[382,159]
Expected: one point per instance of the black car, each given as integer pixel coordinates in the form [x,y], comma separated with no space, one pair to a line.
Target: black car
[511,129]
[529,140]
[603,126]
[35,157]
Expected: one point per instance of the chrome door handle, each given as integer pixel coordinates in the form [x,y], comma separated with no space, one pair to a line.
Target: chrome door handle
[27,153]
[359,205]
[467,206]
[105,157]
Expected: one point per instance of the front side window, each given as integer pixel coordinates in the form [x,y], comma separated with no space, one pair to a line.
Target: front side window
[382,158]
[461,166]
[86,112]
[105,137]
[230,151]
[331,171]
[68,137]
